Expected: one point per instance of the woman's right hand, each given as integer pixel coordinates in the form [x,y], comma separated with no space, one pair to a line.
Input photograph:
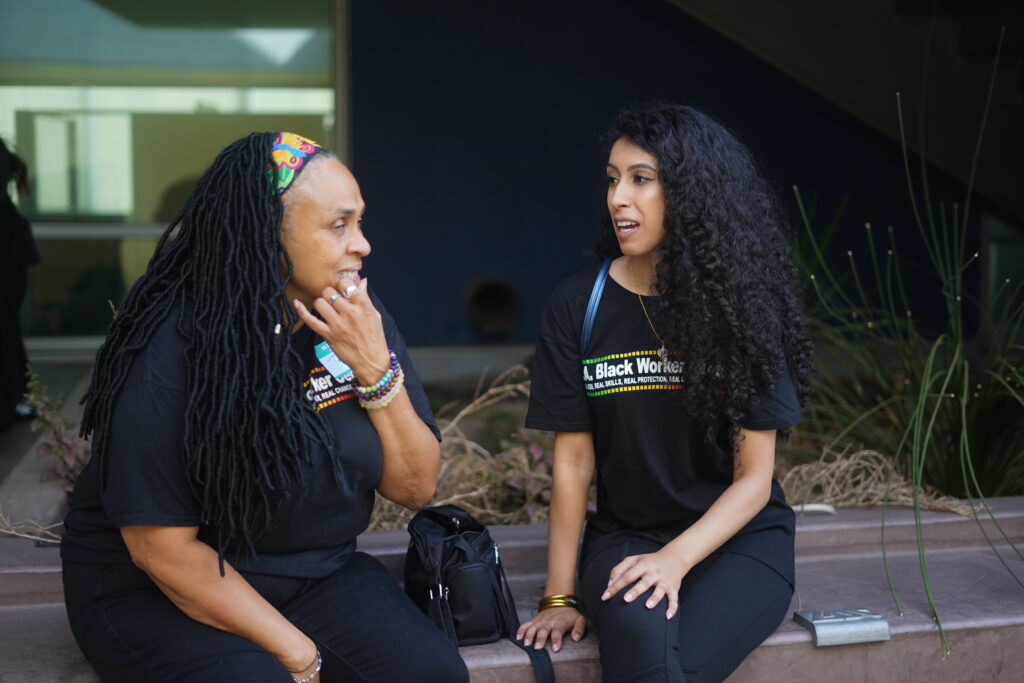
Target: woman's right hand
[553,622]
[352,327]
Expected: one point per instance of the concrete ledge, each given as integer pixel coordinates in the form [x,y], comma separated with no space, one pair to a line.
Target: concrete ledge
[30,585]
[981,654]
[858,530]
[37,646]
[839,564]
[981,606]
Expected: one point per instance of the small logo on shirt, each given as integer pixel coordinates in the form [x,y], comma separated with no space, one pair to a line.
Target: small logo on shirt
[329,383]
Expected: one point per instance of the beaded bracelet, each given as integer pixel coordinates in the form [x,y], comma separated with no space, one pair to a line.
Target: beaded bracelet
[374,395]
[386,399]
[388,376]
[382,402]
[312,675]
[560,600]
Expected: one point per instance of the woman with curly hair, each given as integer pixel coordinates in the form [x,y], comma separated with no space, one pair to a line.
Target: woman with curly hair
[696,358]
[250,398]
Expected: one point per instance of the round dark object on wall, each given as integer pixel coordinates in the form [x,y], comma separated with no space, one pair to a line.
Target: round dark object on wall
[493,307]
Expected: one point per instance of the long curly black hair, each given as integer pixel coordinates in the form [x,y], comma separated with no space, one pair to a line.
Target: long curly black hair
[728,299]
[247,432]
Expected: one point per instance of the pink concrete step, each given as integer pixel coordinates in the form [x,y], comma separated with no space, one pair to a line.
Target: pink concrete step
[981,606]
[838,565]
[29,574]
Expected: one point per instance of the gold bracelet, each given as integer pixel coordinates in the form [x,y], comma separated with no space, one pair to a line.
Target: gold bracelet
[560,600]
[556,604]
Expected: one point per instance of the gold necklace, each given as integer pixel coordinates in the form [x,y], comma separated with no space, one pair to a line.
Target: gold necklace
[662,353]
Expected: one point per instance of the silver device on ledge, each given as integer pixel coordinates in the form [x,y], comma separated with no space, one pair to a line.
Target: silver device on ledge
[843,626]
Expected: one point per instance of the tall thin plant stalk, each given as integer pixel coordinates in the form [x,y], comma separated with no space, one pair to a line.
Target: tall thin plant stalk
[942,397]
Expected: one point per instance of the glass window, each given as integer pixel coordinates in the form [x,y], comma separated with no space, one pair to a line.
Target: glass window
[79,283]
[118,107]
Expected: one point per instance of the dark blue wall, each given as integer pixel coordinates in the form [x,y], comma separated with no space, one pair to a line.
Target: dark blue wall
[475,135]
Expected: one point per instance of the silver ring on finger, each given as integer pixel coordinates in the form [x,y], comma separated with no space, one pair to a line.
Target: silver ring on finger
[349,291]
[334,297]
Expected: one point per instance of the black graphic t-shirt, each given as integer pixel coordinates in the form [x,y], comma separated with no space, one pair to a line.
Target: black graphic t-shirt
[656,472]
[312,531]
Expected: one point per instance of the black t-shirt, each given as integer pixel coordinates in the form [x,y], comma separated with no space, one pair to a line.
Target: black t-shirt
[312,531]
[656,471]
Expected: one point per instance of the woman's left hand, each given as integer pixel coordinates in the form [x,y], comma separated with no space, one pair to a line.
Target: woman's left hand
[353,329]
[662,570]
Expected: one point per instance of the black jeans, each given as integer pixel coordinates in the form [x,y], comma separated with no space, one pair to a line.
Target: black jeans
[367,629]
[13,360]
[728,605]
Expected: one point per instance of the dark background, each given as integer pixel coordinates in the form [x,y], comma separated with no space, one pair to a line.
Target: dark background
[476,142]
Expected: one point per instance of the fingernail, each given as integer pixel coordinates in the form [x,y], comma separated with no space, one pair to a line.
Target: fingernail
[650,604]
[526,642]
[576,637]
[554,648]
[629,597]
[605,596]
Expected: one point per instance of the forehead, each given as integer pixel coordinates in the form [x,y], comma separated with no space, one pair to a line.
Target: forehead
[326,185]
[625,153]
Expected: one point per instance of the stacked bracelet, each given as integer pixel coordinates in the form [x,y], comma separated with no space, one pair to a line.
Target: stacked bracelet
[386,394]
[319,663]
[561,600]
[392,378]
[389,376]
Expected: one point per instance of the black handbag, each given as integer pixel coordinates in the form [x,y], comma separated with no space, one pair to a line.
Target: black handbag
[453,573]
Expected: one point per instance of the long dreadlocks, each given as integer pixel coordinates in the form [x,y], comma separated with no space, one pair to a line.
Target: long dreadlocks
[246,430]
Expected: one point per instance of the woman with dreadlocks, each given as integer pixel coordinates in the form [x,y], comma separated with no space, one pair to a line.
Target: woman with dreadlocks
[251,395]
[695,359]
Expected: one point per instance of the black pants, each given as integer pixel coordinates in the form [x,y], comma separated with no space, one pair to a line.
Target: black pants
[13,360]
[367,629]
[728,605]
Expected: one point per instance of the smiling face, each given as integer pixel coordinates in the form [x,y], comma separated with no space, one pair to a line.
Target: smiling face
[321,230]
[636,200]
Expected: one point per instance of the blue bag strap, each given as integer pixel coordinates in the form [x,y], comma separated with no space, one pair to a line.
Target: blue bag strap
[595,300]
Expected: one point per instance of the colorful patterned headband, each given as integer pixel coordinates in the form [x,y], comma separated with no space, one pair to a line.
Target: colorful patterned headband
[289,153]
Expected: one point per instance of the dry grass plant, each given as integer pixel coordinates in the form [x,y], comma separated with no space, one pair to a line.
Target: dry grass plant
[861,478]
[511,486]
[28,529]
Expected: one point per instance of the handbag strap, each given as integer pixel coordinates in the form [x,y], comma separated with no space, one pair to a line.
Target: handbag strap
[595,300]
[438,609]
[440,613]
[543,670]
